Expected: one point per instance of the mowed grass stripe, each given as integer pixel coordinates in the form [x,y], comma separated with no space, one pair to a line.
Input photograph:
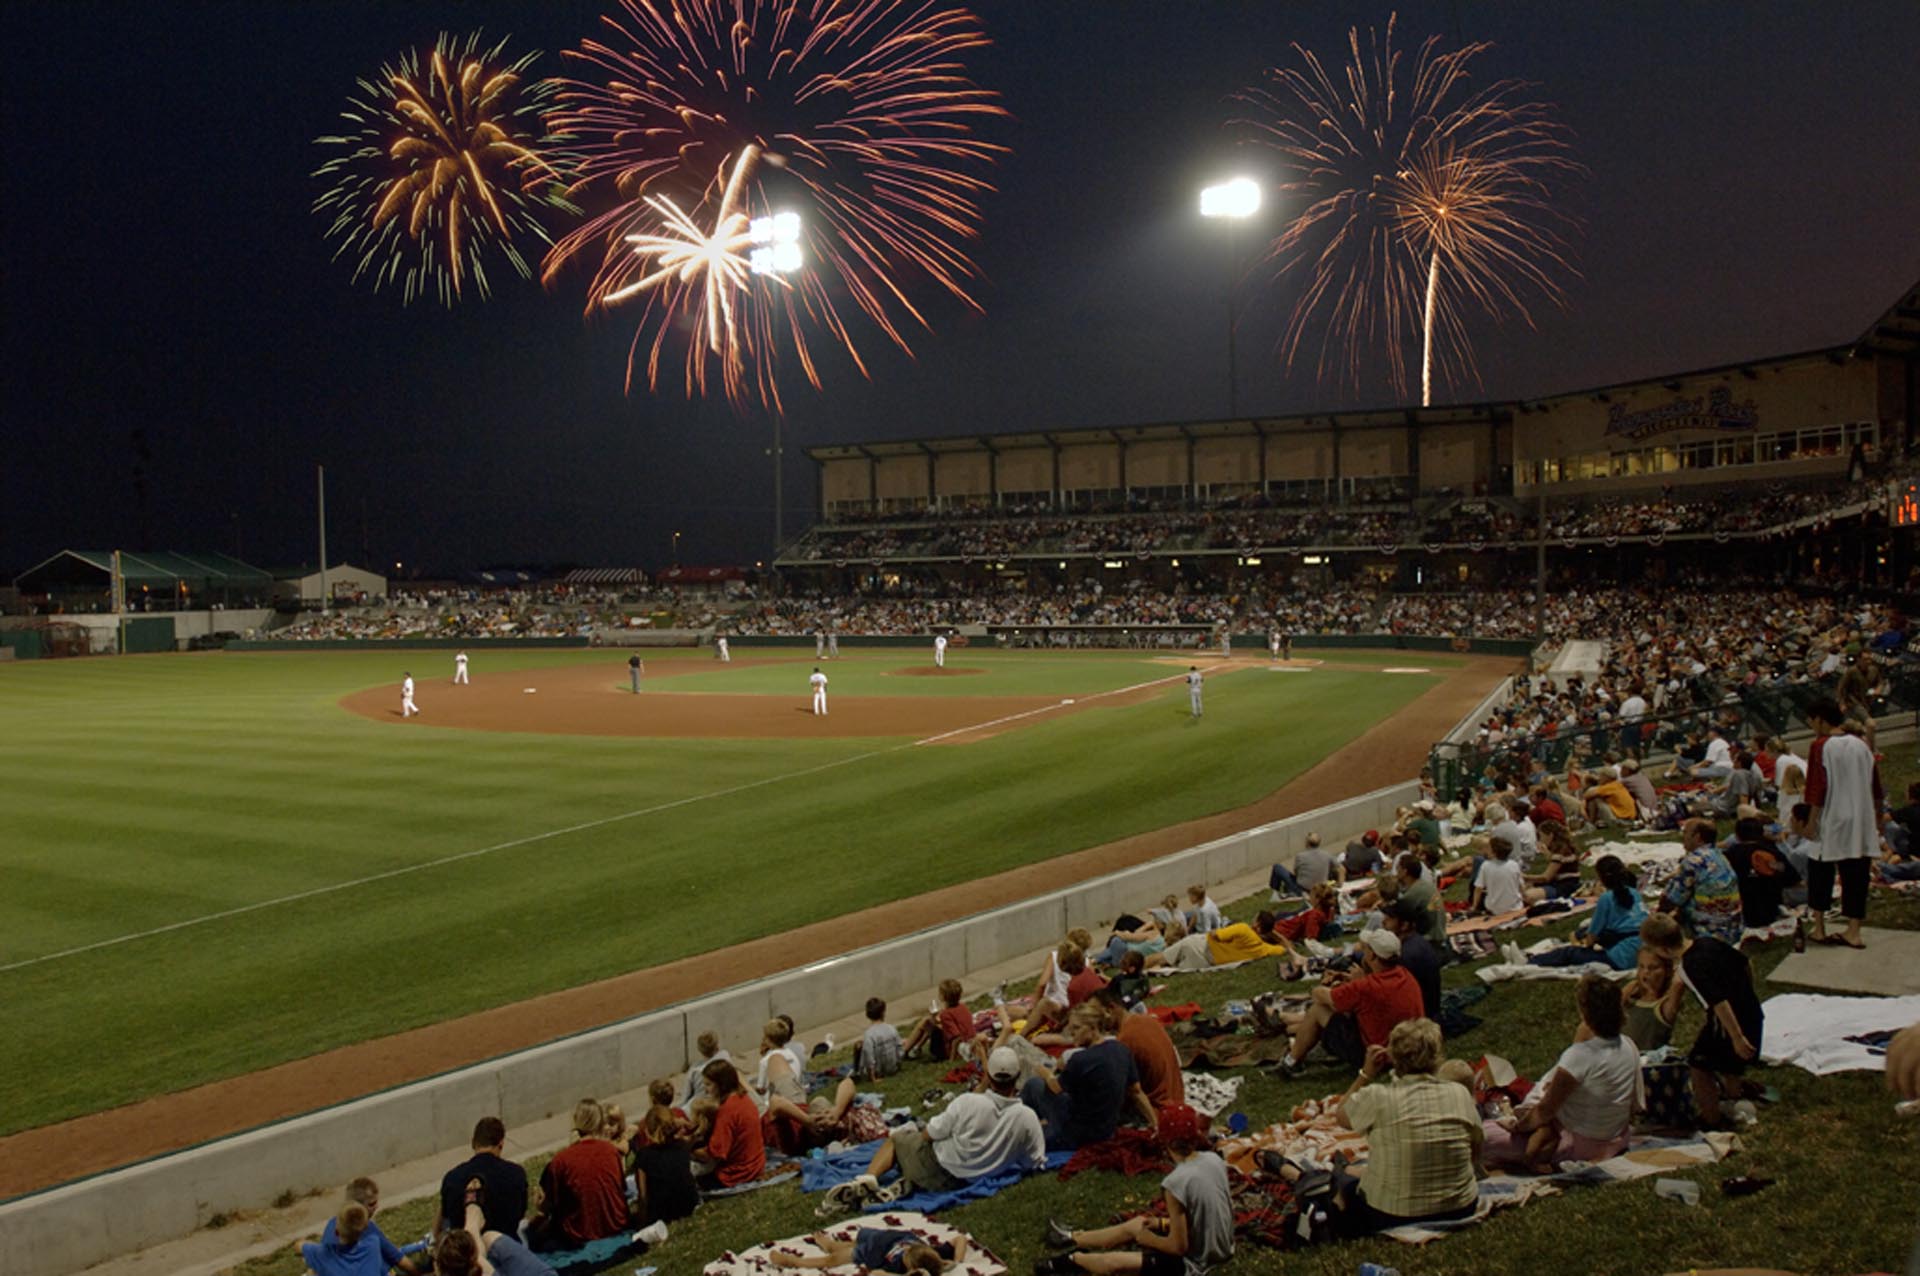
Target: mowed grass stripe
[264,987]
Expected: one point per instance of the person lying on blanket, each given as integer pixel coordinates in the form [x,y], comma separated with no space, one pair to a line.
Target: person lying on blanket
[1224,947]
[878,1249]
[1196,1234]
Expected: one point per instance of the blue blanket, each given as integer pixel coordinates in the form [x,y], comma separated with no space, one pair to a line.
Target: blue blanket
[593,1254]
[819,1173]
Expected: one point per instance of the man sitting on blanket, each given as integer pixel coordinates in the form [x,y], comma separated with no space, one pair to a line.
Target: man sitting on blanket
[977,1135]
[1353,1010]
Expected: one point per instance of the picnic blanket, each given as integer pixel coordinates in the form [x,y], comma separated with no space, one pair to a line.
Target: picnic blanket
[1210,1095]
[1810,1030]
[780,1168]
[1314,1135]
[1234,1051]
[1518,917]
[593,1254]
[834,1168]
[758,1261]
[1501,972]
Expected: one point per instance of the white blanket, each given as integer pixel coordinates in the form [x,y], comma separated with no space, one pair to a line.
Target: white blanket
[1809,1030]
[1210,1095]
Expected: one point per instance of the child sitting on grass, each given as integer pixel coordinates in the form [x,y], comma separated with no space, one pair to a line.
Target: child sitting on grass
[948,1030]
[878,1249]
[708,1044]
[661,1114]
[1131,985]
[352,1244]
[877,1053]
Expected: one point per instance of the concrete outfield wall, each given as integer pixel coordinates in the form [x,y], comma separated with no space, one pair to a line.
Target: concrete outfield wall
[68,1228]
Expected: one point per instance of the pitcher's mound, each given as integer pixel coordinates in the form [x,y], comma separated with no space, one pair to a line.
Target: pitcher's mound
[931,671]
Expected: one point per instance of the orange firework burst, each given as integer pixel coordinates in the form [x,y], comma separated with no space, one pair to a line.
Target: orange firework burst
[857,114]
[441,164]
[1423,196]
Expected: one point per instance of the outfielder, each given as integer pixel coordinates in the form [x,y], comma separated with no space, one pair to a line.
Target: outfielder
[720,648]
[1286,646]
[833,644]
[407,707]
[939,651]
[819,681]
[635,667]
[1194,682]
[819,644]
[460,670]
[1226,644]
[1273,644]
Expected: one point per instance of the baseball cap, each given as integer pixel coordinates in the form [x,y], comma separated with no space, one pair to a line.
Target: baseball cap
[1179,1123]
[1003,1064]
[1371,836]
[1383,942]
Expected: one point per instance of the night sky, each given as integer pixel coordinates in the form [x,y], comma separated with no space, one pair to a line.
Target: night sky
[1755,190]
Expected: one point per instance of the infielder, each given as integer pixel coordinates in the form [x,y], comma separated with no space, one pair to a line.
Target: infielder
[819,644]
[1226,644]
[819,681]
[1194,682]
[1273,644]
[407,707]
[635,667]
[1286,646]
[939,651]
[720,649]
[833,644]
[460,669]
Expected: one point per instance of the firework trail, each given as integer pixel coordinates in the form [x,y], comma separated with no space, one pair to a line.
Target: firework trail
[1422,197]
[857,114]
[444,161]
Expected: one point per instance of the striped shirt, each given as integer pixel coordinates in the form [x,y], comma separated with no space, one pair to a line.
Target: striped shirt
[1419,1144]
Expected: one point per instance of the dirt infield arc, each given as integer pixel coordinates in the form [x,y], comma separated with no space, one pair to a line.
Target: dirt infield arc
[586,700]
[34,1159]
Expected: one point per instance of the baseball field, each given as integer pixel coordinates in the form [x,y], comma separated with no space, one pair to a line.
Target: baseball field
[221,862]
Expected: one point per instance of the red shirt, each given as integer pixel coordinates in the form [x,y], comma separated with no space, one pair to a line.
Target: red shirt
[1306,924]
[585,1190]
[1380,1001]
[956,1025]
[1548,809]
[1083,986]
[1155,1058]
[736,1142]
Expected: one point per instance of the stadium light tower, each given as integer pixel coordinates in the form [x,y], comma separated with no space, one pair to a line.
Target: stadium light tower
[776,251]
[1233,202]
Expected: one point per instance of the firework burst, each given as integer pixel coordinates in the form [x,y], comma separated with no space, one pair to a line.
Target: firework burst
[1423,198]
[442,164]
[855,113]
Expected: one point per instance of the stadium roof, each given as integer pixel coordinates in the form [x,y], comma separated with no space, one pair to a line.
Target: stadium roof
[166,569]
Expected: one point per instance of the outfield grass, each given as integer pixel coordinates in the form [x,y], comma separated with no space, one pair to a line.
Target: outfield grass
[151,791]
[1841,1201]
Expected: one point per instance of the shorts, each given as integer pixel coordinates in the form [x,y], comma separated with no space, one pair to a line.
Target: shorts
[913,1153]
[1155,1263]
[1561,888]
[1341,1039]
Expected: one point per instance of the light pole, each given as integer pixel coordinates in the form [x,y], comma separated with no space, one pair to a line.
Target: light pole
[676,549]
[776,251]
[1232,201]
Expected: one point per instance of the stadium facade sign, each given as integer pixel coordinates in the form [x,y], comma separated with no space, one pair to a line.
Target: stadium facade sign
[1715,410]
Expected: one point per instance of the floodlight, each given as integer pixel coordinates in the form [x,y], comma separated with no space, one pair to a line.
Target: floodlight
[1237,198]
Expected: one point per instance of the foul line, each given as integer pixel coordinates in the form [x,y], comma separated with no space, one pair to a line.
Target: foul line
[458,857]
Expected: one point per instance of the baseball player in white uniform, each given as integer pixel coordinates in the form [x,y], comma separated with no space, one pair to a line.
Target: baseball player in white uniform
[940,651]
[819,644]
[460,670]
[833,644]
[1194,682]
[1273,644]
[720,648]
[407,707]
[1226,643]
[819,681]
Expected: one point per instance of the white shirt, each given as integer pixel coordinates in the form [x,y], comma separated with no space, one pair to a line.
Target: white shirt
[406,686]
[1608,1072]
[940,643]
[1194,680]
[1633,709]
[1789,762]
[980,1133]
[1718,754]
[461,660]
[1502,881]
[819,681]
[1848,829]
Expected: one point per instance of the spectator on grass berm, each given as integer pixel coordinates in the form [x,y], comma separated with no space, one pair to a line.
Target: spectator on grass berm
[1050,994]
[1313,921]
[1612,934]
[708,1045]
[1704,893]
[735,1150]
[1499,885]
[977,1134]
[947,1032]
[1419,890]
[659,1103]
[1236,943]
[662,1167]
[780,1065]
[474,1249]
[877,1054]
[1635,781]
[1202,913]
[352,1244]
[1721,979]
[1311,867]
[1423,1140]
[583,1194]
[1352,1010]
[1583,1108]
[1406,921]
[1196,1233]
[1081,1101]
[1561,880]
[1362,857]
[504,1203]
[1844,792]
[1154,1055]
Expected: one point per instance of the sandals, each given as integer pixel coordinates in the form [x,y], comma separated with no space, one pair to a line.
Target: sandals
[1840,941]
